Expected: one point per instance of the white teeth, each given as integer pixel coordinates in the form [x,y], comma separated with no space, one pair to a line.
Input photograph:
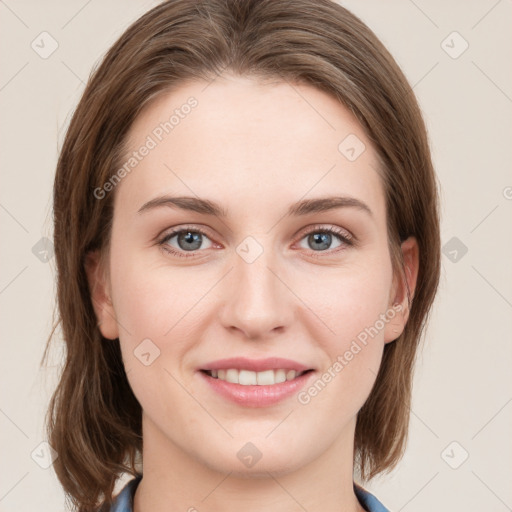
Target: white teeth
[280,376]
[265,378]
[291,374]
[246,377]
[232,376]
[250,378]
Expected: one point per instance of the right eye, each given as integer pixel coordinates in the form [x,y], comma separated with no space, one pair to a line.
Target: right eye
[188,240]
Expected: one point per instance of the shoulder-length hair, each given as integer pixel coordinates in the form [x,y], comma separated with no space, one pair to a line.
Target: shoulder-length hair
[94,421]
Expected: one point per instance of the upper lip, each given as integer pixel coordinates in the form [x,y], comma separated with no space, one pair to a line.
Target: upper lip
[255,365]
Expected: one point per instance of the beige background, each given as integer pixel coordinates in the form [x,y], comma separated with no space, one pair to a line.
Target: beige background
[463,389]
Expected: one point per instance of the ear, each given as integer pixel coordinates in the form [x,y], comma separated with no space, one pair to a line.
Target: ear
[398,299]
[99,287]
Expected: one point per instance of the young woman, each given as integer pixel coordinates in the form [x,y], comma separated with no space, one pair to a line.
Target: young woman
[247,242]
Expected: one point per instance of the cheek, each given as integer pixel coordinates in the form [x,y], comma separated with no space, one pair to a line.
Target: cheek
[359,306]
[151,301]
[350,306]
[154,307]
[347,301]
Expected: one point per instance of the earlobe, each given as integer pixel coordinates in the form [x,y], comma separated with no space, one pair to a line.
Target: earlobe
[400,297]
[100,295]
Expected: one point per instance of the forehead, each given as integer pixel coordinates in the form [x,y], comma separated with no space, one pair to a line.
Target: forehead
[249,144]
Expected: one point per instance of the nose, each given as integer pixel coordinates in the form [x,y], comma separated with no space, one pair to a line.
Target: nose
[257,301]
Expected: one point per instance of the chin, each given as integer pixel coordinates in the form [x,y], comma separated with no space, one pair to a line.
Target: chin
[254,458]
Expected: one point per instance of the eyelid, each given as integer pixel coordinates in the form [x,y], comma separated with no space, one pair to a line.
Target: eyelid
[343,233]
[170,232]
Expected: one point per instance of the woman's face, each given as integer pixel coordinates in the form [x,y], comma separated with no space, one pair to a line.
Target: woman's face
[264,279]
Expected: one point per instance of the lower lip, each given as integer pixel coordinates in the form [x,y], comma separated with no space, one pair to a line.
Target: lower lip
[257,396]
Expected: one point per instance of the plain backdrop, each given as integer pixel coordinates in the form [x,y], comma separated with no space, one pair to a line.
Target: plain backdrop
[457,55]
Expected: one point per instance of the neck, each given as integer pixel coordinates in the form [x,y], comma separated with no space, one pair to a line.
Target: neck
[174,480]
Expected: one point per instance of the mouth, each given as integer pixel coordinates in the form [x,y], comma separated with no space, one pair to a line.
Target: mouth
[255,382]
[252,378]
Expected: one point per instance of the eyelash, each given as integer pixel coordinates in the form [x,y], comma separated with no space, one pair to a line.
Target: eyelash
[346,240]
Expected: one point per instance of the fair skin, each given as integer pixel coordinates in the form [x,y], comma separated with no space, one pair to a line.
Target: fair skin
[255,149]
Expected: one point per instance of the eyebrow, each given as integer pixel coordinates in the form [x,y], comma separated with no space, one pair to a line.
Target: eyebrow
[207,207]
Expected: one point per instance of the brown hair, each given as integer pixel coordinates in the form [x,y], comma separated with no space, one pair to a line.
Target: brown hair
[94,419]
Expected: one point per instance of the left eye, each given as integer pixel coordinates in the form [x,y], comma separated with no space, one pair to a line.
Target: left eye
[320,240]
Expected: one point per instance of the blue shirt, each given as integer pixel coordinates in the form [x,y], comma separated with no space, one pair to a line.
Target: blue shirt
[124,500]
